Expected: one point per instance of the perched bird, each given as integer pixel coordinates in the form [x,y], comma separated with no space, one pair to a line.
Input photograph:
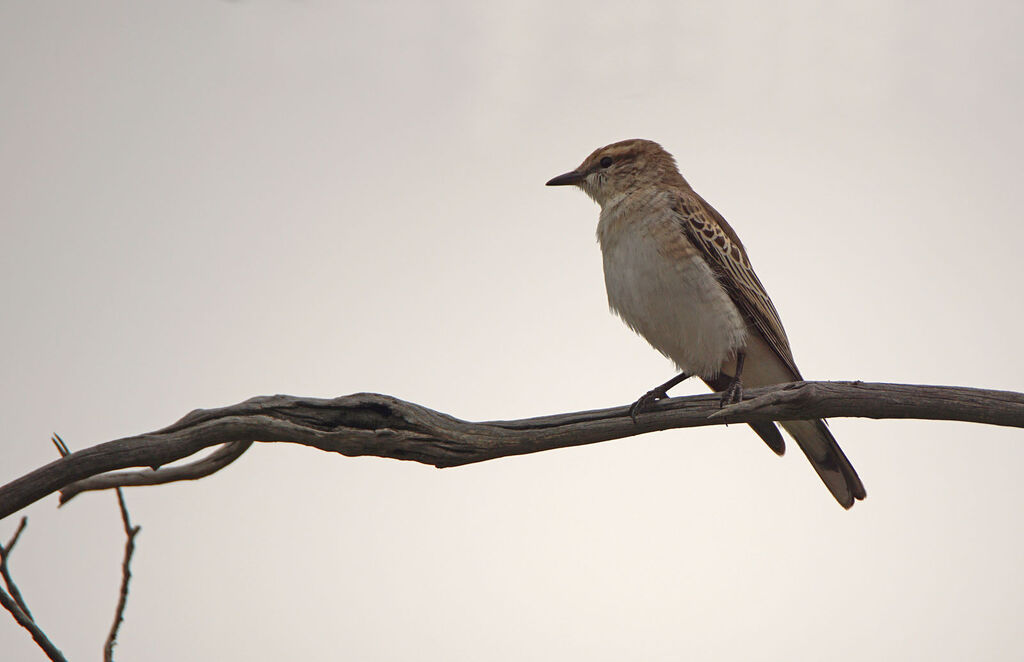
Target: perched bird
[677,274]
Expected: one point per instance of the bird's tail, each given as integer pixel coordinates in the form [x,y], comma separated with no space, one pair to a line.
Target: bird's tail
[835,470]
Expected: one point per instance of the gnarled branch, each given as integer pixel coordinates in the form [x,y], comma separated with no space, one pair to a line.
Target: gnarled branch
[384,426]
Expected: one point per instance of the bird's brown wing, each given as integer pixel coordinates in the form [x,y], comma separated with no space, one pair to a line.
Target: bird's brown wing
[722,250]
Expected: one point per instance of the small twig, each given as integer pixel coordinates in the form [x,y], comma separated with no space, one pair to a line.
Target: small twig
[126,575]
[62,448]
[24,621]
[212,463]
[16,605]
[17,534]
[5,572]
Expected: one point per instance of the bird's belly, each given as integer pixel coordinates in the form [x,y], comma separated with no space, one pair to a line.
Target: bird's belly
[675,302]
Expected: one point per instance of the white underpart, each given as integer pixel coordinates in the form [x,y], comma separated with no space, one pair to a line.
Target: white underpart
[676,303]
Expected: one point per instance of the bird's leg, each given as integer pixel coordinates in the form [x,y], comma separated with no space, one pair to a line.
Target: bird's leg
[655,394]
[733,393]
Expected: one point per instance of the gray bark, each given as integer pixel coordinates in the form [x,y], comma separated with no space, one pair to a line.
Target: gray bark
[384,426]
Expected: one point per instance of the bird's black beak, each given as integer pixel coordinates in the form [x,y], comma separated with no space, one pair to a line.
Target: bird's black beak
[574,177]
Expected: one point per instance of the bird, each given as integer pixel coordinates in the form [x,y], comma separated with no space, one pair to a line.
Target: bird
[676,273]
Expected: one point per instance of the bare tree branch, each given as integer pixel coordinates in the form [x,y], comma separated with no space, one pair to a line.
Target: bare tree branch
[16,605]
[5,572]
[384,426]
[205,466]
[126,574]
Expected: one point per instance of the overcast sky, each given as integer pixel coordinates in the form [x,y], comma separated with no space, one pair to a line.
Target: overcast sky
[206,201]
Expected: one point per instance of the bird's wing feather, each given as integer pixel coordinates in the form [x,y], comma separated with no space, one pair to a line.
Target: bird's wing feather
[722,250]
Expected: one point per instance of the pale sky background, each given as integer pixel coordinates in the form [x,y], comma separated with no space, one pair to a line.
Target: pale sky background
[207,201]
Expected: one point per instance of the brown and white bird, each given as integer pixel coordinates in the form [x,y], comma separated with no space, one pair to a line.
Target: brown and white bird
[678,275]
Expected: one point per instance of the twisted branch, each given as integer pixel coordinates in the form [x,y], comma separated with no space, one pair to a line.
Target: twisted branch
[384,426]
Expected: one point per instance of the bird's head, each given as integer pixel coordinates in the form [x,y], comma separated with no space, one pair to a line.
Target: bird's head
[621,168]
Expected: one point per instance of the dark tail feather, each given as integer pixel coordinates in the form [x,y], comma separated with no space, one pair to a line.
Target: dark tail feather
[771,436]
[766,430]
[818,444]
[828,459]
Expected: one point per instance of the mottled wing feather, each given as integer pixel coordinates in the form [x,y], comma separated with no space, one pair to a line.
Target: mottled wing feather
[722,250]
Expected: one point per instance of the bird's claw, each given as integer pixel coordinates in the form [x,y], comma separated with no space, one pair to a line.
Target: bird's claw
[733,394]
[645,402]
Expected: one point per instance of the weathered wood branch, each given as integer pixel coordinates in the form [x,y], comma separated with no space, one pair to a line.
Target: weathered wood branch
[204,466]
[15,604]
[384,426]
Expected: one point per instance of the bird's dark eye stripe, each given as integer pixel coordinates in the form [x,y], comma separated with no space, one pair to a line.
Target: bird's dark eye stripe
[606,161]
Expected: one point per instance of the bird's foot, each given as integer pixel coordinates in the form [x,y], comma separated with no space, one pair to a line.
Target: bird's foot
[733,393]
[646,401]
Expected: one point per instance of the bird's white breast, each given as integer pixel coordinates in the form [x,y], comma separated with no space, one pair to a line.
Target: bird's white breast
[663,289]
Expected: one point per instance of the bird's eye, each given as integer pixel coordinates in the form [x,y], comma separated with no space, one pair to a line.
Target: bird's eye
[606,161]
